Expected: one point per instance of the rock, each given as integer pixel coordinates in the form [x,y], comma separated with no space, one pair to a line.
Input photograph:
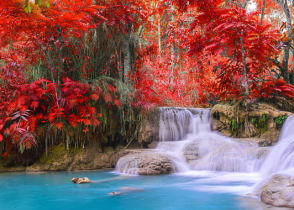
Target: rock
[279,191]
[268,138]
[248,120]
[83,180]
[149,129]
[146,163]
[191,151]
[59,159]
[124,190]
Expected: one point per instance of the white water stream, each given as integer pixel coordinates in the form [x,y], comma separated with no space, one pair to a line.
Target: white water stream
[200,148]
[196,150]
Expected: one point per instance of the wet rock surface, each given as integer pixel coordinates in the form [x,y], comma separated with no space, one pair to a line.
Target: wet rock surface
[149,129]
[83,180]
[146,163]
[279,191]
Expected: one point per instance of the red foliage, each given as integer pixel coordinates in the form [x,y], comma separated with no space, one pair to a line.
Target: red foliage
[37,104]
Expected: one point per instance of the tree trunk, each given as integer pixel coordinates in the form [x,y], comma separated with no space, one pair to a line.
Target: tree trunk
[292,78]
[262,12]
[244,64]
[173,47]
[127,58]
[159,36]
[285,73]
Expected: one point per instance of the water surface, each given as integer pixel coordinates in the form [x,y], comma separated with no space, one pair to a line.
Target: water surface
[170,192]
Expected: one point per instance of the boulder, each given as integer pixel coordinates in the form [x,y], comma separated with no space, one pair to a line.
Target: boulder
[82,180]
[279,191]
[145,163]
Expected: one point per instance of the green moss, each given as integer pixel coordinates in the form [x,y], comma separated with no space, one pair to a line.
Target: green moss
[280,121]
[56,153]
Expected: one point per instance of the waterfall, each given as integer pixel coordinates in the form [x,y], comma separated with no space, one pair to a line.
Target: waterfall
[176,123]
[281,157]
[186,135]
[187,139]
[190,147]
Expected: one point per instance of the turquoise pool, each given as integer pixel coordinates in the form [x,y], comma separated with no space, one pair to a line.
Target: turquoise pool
[55,191]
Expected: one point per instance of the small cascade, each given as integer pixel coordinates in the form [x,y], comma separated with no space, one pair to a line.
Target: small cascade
[127,165]
[176,123]
[173,123]
[187,140]
[187,137]
[281,158]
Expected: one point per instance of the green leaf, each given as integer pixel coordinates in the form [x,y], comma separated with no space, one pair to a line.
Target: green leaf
[40,2]
[28,8]
[47,4]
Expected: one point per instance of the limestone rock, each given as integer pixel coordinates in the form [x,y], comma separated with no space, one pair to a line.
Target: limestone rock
[191,152]
[279,191]
[59,159]
[247,120]
[146,163]
[149,129]
[83,180]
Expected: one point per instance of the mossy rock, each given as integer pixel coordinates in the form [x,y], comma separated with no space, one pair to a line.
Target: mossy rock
[57,159]
[89,158]
[243,120]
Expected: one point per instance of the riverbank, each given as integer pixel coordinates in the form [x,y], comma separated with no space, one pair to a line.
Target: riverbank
[61,159]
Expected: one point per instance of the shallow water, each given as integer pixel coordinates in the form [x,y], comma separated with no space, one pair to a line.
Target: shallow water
[55,191]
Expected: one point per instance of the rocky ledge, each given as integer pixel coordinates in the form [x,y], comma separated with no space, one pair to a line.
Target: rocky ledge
[279,191]
[61,159]
[259,121]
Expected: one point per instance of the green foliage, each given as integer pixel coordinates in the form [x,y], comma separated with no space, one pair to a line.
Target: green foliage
[280,121]
[260,123]
[234,126]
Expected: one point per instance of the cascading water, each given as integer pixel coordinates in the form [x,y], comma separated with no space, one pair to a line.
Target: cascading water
[187,137]
[281,158]
[235,165]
